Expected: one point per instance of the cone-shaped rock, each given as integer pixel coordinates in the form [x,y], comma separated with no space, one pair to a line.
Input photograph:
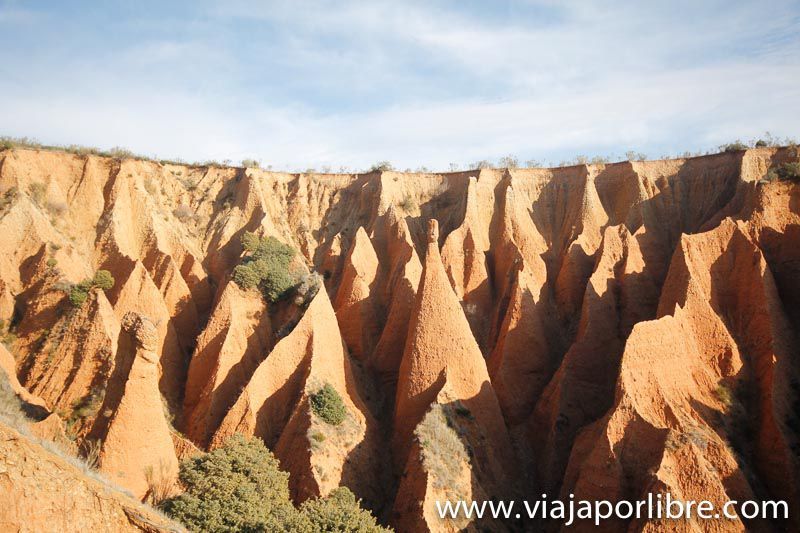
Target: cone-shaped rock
[136,442]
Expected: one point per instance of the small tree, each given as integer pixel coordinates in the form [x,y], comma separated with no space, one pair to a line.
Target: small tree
[509,161]
[103,280]
[736,146]
[267,267]
[79,293]
[381,166]
[328,405]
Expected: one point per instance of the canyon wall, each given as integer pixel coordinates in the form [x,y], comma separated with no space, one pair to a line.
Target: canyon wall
[598,330]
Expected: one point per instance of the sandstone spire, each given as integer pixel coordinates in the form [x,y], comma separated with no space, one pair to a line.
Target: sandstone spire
[136,443]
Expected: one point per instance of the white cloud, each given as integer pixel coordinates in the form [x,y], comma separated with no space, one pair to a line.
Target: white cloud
[350,84]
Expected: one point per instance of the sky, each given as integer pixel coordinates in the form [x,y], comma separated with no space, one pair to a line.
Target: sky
[312,84]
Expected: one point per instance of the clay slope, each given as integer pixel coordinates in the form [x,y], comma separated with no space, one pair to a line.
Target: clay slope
[602,330]
[43,492]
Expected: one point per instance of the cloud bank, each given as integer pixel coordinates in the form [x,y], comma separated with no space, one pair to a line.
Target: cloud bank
[315,83]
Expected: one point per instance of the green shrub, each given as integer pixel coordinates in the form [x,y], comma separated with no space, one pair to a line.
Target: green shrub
[79,293]
[736,146]
[339,511]
[250,163]
[250,241]
[237,487]
[789,171]
[328,405]
[51,262]
[785,172]
[267,267]
[381,166]
[246,277]
[103,280]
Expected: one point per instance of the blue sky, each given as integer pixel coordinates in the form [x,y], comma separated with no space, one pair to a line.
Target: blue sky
[300,84]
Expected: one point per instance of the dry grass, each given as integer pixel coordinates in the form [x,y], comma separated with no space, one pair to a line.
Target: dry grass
[159,484]
[444,455]
[11,412]
[408,204]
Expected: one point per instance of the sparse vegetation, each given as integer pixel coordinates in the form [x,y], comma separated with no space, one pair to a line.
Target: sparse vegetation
[117,152]
[408,204]
[56,208]
[463,411]
[509,161]
[91,452]
[724,395]
[11,412]
[150,186]
[784,172]
[307,288]
[789,172]
[328,405]
[8,198]
[381,166]
[250,163]
[735,146]
[84,409]
[7,336]
[443,452]
[159,483]
[266,268]
[183,212]
[37,191]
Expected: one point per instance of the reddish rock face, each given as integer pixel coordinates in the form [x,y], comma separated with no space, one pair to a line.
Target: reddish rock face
[597,330]
[40,491]
[137,450]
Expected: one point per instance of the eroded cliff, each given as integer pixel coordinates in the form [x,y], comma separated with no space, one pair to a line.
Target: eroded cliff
[602,330]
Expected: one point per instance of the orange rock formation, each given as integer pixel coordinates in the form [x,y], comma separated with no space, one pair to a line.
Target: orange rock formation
[603,330]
